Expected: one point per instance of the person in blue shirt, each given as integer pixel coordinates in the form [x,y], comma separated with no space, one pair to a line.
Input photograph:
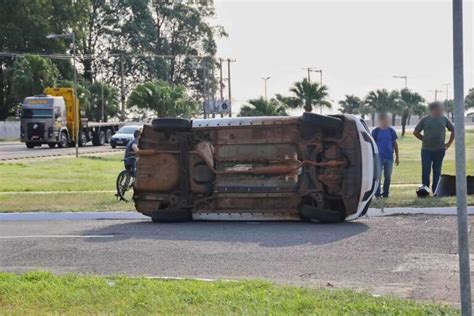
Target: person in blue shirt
[386,139]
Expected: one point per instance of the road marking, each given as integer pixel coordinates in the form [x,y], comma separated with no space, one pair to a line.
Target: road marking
[57,236]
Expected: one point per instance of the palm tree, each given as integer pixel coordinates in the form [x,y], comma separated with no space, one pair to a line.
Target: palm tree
[166,100]
[410,102]
[350,105]
[383,101]
[310,94]
[262,107]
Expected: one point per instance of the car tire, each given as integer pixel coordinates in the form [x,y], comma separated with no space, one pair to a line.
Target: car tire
[171,216]
[322,121]
[113,146]
[29,145]
[63,140]
[52,145]
[171,124]
[324,216]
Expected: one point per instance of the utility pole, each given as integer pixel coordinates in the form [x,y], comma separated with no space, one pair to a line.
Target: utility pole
[229,90]
[221,83]
[122,88]
[460,155]
[405,77]
[447,90]
[265,79]
[309,70]
[436,91]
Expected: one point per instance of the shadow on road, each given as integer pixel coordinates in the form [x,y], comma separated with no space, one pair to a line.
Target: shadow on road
[266,234]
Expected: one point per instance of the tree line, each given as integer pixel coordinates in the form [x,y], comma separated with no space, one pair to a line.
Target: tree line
[310,95]
[154,42]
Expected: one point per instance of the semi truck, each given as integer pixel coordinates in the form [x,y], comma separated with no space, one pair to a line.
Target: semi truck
[49,118]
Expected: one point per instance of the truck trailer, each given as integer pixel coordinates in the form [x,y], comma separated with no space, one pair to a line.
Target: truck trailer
[49,118]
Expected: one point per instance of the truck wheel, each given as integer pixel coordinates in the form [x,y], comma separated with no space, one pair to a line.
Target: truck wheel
[52,145]
[63,140]
[321,215]
[98,139]
[171,216]
[30,145]
[108,135]
[171,124]
[83,139]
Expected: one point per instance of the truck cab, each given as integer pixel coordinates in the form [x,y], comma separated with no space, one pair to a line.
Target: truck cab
[43,118]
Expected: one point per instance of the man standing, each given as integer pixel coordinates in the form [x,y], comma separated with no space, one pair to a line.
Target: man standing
[434,143]
[386,139]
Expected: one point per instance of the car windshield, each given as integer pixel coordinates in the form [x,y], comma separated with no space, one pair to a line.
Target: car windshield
[127,130]
[37,113]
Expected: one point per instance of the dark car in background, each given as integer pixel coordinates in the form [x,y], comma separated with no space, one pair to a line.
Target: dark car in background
[123,135]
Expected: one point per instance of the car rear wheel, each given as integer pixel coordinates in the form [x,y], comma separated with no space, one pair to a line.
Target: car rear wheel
[30,145]
[327,124]
[52,145]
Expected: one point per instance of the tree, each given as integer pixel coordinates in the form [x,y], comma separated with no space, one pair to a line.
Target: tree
[164,99]
[410,102]
[31,74]
[102,94]
[310,95]
[351,105]
[24,25]
[383,101]
[469,101]
[262,107]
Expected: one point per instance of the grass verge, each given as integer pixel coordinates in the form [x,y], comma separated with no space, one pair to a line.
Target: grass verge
[43,293]
[62,201]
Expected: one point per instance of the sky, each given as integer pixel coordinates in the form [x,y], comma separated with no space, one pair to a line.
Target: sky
[359,45]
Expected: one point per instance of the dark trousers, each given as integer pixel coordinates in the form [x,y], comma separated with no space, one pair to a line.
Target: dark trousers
[431,159]
[387,167]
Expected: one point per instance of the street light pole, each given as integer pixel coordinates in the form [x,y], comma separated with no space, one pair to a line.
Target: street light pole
[460,155]
[405,77]
[72,36]
[265,79]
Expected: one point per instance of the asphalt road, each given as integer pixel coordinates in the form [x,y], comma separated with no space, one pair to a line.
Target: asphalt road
[407,256]
[17,150]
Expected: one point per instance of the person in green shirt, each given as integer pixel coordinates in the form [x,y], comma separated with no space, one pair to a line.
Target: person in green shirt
[434,143]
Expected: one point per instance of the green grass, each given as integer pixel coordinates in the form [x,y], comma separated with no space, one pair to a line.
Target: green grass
[88,173]
[57,202]
[41,293]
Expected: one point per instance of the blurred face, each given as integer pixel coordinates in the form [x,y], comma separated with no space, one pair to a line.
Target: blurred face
[384,122]
[437,110]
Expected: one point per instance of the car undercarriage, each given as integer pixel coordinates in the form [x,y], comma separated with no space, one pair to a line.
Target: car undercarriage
[269,168]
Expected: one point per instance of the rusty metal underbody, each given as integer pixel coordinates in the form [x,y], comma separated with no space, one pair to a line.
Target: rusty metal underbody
[247,172]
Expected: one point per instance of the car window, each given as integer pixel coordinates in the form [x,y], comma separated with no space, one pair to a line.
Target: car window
[127,130]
